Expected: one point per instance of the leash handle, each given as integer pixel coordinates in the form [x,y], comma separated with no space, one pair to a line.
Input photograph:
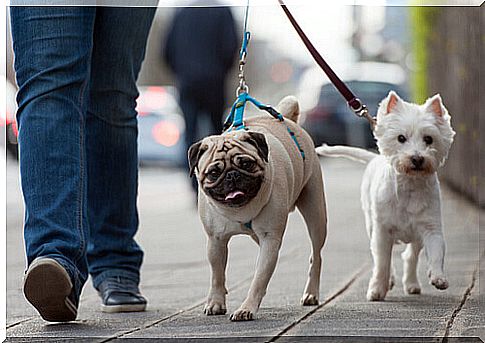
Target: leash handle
[359,108]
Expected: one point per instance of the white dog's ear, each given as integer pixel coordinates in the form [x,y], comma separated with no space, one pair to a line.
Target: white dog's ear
[393,101]
[389,104]
[435,105]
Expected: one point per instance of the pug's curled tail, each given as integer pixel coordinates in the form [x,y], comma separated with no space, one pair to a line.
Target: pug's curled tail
[356,154]
[289,108]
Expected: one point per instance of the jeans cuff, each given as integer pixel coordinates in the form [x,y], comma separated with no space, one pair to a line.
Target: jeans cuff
[113,273]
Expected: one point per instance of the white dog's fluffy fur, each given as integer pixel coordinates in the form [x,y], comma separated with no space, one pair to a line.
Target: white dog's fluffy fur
[400,190]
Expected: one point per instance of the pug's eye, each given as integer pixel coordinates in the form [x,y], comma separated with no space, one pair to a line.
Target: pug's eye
[247,165]
[428,140]
[213,174]
[401,139]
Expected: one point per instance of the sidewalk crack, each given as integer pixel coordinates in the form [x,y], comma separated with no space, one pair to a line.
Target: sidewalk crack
[163,319]
[294,252]
[9,326]
[335,295]
[466,295]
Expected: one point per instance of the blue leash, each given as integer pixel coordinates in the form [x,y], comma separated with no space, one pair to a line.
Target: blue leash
[246,35]
[235,119]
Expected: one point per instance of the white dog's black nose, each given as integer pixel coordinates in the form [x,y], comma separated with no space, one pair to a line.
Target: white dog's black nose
[417,161]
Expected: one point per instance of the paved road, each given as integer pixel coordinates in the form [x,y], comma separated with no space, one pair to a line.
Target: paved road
[175,276]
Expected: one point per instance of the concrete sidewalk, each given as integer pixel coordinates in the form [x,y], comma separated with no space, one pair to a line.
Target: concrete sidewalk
[175,276]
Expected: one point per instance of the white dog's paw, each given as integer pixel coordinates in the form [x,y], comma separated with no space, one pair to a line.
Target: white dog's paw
[377,289]
[412,288]
[376,293]
[439,282]
[214,307]
[309,300]
[241,314]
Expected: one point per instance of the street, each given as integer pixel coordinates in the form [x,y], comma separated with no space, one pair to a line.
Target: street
[175,275]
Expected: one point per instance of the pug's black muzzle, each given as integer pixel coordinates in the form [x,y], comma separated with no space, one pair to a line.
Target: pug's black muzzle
[235,189]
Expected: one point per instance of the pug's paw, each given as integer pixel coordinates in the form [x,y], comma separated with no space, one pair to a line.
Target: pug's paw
[241,315]
[214,308]
[309,300]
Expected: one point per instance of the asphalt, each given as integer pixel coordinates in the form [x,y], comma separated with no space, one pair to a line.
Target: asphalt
[175,277]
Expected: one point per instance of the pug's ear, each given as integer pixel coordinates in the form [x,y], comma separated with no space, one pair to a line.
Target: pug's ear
[258,140]
[195,152]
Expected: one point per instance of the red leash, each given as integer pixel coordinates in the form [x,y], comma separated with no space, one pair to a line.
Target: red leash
[359,108]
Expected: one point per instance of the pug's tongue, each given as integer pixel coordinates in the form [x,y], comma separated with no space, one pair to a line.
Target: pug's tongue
[233,195]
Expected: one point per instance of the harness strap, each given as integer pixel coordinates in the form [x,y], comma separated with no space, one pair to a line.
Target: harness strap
[235,119]
[293,136]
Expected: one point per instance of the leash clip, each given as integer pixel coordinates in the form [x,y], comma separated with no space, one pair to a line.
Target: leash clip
[361,110]
[358,107]
[243,87]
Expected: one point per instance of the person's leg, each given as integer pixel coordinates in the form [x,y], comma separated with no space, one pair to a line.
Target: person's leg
[190,110]
[191,114]
[52,47]
[216,112]
[120,36]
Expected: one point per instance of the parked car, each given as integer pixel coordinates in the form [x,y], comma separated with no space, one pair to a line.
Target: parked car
[8,124]
[330,120]
[161,127]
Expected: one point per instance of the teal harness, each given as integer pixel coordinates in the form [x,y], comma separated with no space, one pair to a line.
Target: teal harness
[235,119]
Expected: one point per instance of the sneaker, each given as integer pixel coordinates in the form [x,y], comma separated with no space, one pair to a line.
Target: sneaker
[48,287]
[121,295]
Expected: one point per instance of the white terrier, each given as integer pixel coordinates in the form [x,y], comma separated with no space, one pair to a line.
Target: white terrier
[400,190]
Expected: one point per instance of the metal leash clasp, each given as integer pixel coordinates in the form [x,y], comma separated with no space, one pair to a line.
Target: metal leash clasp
[362,111]
[243,87]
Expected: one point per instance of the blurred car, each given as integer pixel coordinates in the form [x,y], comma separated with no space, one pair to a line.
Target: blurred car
[330,120]
[8,124]
[161,127]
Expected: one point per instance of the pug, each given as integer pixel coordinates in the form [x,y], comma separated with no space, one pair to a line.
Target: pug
[249,181]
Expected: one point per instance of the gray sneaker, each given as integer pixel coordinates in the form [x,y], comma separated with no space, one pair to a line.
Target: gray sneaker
[48,287]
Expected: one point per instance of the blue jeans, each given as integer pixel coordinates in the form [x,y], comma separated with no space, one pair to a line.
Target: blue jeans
[76,69]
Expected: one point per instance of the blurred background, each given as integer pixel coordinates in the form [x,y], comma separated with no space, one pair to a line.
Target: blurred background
[417,51]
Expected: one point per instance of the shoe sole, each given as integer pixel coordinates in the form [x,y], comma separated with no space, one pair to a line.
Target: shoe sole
[47,286]
[123,308]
